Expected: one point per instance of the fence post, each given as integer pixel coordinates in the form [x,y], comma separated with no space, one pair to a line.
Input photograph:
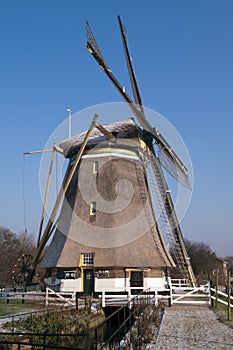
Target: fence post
[169,283]
[209,289]
[76,300]
[103,298]
[156,298]
[129,298]
[229,295]
[170,299]
[216,291]
[23,300]
[96,339]
[211,294]
[44,336]
[7,300]
[46,296]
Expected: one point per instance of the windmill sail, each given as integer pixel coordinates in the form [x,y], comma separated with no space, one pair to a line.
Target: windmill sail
[167,157]
[136,109]
[136,93]
[172,169]
[169,164]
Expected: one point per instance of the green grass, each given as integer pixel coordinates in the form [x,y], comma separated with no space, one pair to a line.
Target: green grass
[16,307]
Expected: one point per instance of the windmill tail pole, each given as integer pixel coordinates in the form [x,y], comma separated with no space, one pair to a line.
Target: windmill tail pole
[40,151]
[46,196]
[65,184]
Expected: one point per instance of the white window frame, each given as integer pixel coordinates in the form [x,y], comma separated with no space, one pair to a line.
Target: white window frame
[88,259]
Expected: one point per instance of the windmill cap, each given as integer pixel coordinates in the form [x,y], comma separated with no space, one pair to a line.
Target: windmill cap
[123,128]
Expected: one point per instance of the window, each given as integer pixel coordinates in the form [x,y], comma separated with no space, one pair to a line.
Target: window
[70,274]
[95,167]
[93,209]
[88,259]
[102,273]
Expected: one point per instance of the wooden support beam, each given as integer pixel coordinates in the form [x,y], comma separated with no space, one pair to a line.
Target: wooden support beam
[65,184]
[40,151]
[105,132]
[46,195]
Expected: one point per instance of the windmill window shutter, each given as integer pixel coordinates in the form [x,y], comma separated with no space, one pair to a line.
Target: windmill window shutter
[93,209]
[95,167]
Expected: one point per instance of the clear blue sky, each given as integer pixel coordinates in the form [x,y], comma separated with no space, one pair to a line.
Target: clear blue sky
[183,57]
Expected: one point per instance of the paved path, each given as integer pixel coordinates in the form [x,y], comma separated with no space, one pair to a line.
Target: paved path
[192,327]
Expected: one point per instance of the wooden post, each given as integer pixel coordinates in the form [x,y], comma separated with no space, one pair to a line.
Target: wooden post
[211,300]
[156,298]
[46,196]
[103,298]
[76,300]
[170,302]
[216,291]
[229,295]
[46,297]
[96,338]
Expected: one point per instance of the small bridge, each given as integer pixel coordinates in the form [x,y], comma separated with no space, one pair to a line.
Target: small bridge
[177,293]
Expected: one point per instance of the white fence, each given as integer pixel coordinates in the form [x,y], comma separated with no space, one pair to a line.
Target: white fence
[176,293]
[114,299]
[190,295]
[66,298]
[217,298]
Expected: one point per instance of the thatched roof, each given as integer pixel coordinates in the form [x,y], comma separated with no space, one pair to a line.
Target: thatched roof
[123,128]
[121,233]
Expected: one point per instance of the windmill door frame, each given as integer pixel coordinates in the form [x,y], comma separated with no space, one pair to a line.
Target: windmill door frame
[88,281]
[136,279]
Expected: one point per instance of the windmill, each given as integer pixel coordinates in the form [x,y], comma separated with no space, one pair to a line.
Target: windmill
[166,155]
[80,256]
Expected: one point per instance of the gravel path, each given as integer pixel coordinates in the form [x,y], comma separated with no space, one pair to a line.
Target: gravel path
[192,327]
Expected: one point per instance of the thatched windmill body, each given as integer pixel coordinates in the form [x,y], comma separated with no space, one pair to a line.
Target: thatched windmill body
[107,235]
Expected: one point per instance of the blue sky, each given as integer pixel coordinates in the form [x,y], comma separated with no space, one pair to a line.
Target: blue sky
[182,53]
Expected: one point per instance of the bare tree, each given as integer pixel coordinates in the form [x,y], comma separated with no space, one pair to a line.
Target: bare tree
[8,247]
[26,243]
[229,259]
[12,247]
[201,256]
[205,263]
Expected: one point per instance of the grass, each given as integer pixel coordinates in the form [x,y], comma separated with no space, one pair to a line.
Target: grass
[54,325]
[16,307]
[222,314]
